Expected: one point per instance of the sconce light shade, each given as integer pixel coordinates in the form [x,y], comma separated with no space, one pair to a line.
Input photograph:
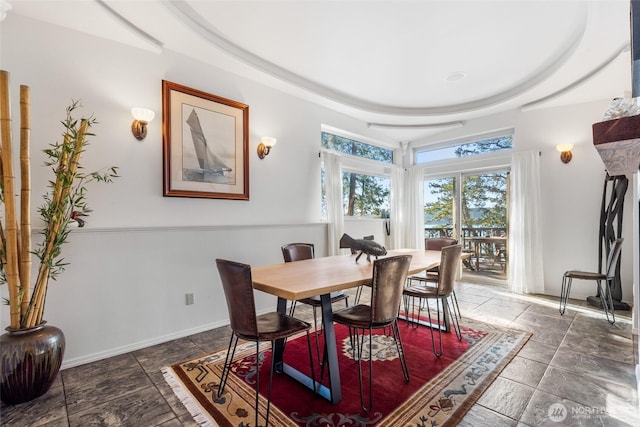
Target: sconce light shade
[266,142]
[142,117]
[565,152]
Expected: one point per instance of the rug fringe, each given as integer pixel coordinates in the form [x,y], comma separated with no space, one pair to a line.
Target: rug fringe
[196,411]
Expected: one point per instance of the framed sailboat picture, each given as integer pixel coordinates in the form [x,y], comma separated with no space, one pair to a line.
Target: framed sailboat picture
[206,144]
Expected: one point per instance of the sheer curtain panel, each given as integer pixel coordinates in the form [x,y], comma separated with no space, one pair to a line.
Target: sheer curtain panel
[525,242]
[398,211]
[333,194]
[414,209]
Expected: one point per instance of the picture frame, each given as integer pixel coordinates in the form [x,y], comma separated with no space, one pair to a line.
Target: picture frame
[205,144]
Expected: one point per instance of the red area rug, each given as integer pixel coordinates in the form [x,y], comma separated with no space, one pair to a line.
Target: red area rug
[440,390]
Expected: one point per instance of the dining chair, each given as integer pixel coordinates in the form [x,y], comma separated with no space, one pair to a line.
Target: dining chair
[246,325]
[389,276]
[301,251]
[431,275]
[605,297]
[449,260]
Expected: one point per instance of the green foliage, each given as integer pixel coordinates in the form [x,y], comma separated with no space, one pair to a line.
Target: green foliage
[364,195]
[356,148]
[441,210]
[484,196]
[484,146]
[60,209]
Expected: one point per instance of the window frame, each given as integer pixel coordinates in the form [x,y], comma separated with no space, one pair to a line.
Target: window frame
[470,139]
[360,165]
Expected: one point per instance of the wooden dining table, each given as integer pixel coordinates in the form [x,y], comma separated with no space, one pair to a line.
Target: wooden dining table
[293,281]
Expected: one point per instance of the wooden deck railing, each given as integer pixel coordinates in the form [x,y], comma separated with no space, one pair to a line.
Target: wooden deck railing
[488,255]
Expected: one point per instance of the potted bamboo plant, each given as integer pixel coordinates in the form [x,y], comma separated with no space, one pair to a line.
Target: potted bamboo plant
[31,351]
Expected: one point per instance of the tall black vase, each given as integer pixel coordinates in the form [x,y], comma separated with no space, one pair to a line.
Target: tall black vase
[30,361]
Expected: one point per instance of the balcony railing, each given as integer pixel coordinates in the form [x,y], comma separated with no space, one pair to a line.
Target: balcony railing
[489,259]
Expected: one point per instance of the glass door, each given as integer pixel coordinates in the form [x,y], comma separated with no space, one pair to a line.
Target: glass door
[484,224]
[439,207]
[472,207]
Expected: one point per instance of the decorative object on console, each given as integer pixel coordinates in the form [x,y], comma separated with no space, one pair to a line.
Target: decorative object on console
[618,143]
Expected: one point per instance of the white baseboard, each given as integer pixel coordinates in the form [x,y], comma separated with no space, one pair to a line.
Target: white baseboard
[70,363]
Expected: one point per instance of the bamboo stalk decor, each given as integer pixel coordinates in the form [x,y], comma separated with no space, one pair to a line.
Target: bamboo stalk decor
[66,195]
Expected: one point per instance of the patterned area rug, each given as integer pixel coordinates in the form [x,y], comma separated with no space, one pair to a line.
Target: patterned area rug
[439,393]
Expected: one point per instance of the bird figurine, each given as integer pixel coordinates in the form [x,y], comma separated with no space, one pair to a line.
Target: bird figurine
[366,246]
[75,216]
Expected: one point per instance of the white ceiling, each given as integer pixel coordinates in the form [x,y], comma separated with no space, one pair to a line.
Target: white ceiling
[384,62]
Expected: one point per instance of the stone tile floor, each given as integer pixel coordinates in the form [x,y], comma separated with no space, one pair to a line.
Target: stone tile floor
[576,370]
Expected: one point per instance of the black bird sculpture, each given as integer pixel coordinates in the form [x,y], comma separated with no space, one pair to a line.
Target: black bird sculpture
[365,246]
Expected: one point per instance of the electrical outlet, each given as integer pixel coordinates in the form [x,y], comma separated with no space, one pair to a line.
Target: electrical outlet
[189,299]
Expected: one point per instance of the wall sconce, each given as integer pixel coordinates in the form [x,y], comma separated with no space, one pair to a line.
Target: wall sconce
[266,142]
[142,117]
[565,152]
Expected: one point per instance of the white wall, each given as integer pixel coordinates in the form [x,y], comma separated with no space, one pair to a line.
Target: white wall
[140,253]
[126,288]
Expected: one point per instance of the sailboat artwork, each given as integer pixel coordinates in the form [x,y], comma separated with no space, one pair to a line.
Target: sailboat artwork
[210,167]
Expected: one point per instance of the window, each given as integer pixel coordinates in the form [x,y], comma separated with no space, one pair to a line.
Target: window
[467,200]
[356,148]
[365,195]
[473,148]
[366,184]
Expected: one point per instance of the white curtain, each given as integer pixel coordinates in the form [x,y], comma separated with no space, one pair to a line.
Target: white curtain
[333,194]
[413,219]
[398,208]
[525,242]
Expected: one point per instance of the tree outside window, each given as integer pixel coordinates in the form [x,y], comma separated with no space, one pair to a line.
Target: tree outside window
[484,195]
[364,194]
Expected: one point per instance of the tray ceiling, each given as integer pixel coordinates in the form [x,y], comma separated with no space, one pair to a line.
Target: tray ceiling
[416,67]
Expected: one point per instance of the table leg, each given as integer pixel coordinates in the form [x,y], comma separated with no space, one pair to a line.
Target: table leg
[278,348]
[331,349]
[334,392]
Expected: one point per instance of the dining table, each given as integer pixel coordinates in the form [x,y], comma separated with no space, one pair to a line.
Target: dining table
[293,281]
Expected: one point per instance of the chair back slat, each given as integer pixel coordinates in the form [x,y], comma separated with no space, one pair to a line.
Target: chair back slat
[389,276]
[449,260]
[297,251]
[238,291]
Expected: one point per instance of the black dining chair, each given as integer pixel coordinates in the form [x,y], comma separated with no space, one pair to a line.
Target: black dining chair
[449,260]
[246,325]
[389,276]
[297,252]
[608,276]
